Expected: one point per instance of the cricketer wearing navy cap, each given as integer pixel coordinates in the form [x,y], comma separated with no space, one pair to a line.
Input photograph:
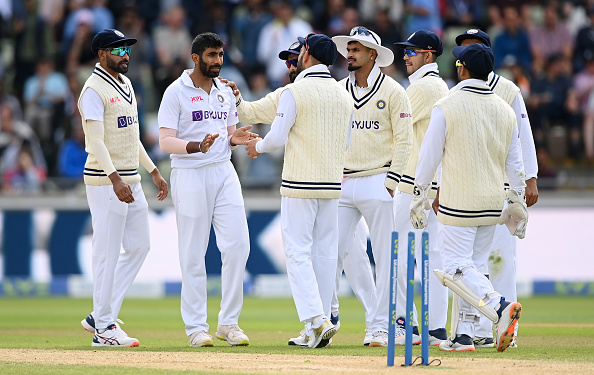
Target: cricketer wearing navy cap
[109,38]
[320,47]
[425,40]
[473,35]
[476,58]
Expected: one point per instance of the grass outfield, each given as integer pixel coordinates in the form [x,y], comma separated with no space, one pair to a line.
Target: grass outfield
[551,329]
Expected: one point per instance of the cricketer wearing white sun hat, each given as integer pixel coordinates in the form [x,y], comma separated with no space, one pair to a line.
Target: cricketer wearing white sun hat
[369,39]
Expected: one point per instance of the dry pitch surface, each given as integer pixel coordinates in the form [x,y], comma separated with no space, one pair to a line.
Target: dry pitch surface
[286,364]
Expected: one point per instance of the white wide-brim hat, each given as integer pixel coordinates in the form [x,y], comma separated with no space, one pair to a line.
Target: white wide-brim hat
[368,38]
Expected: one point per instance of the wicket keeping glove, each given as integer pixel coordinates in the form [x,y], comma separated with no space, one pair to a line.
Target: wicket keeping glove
[515,215]
[418,205]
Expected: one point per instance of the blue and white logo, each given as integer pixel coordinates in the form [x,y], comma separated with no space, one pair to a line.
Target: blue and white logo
[381,104]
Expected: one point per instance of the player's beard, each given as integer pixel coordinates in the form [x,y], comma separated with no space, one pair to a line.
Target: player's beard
[299,65]
[292,76]
[352,68]
[205,70]
[118,67]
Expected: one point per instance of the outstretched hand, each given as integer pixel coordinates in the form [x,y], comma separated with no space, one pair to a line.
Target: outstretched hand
[207,142]
[242,136]
[251,148]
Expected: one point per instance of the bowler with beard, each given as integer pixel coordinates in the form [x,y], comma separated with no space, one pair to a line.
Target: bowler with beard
[197,126]
[119,210]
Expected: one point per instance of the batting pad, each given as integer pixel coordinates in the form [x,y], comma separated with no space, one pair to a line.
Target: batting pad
[458,287]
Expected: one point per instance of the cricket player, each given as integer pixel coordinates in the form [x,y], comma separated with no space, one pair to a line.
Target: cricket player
[501,267]
[312,119]
[356,265]
[197,125]
[379,150]
[421,50]
[473,134]
[119,210]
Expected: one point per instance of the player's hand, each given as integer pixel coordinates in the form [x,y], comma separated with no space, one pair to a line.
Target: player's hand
[515,215]
[435,203]
[207,142]
[230,84]
[121,188]
[418,205]
[241,136]
[531,192]
[160,183]
[250,147]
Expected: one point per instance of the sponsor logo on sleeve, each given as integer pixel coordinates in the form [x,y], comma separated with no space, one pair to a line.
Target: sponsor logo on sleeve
[405,115]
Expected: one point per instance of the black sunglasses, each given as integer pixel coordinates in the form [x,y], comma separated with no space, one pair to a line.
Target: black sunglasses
[362,31]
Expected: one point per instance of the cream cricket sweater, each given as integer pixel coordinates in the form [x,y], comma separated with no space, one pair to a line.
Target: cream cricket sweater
[121,131]
[261,111]
[423,93]
[479,130]
[381,138]
[316,146]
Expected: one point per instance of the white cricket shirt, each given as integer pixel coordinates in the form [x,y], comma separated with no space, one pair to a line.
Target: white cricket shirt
[194,113]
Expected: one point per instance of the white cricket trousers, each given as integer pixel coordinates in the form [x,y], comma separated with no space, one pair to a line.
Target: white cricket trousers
[115,225]
[368,197]
[205,196]
[310,237]
[438,294]
[466,249]
[359,275]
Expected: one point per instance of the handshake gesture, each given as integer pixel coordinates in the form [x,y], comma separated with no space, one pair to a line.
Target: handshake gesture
[515,215]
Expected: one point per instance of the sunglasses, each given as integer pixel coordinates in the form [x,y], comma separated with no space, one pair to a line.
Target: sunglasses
[119,51]
[412,52]
[360,30]
[292,62]
[458,63]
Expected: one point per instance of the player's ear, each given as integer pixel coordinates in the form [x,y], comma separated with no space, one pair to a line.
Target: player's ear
[195,58]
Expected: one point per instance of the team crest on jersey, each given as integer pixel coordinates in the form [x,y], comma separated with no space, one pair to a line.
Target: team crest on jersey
[221,98]
[381,104]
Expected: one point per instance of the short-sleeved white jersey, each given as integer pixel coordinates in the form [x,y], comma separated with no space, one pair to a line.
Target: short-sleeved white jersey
[194,113]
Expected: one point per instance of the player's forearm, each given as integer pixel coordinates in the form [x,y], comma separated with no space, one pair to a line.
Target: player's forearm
[144,159]
[260,111]
[169,143]
[97,146]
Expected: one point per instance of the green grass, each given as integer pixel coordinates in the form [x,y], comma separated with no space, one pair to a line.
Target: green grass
[547,324]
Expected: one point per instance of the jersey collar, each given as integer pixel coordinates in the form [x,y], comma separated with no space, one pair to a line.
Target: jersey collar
[187,81]
[318,68]
[370,78]
[420,73]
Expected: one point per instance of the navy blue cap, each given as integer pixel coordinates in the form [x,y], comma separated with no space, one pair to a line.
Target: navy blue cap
[423,39]
[476,57]
[293,48]
[109,37]
[474,34]
[321,47]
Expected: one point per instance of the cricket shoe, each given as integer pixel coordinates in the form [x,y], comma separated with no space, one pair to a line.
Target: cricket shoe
[462,343]
[509,313]
[437,336]
[232,334]
[321,335]
[335,321]
[113,336]
[400,333]
[368,338]
[483,342]
[88,323]
[302,340]
[200,339]
[513,344]
[379,338]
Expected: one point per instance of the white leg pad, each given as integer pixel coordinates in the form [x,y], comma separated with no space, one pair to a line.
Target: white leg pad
[454,282]
[454,316]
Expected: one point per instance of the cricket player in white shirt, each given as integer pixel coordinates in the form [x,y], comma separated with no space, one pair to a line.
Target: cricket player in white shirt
[197,119]
[473,134]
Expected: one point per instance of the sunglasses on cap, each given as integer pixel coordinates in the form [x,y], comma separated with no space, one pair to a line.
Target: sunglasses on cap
[119,51]
[292,62]
[360,30]
[458,63]
[412,52]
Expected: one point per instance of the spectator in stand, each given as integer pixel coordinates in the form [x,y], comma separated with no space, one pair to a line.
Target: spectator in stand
[32,37]
[550,39]
[551,103]
[45,96]
[330,21]
[24,177]
[81,61]
[464,12]
[12,131]
[248,21]
[11,101]
[583,84]
[584,40]
[368,10]
[72,155]
[276,36]
[423,14]
[512,41]
[172,41]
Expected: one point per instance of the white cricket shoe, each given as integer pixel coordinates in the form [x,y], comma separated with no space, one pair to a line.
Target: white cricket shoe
[483,342]
[379,338]
[88,323]
[368,338]
[400,333]
[322,335]
[300,340]
[462,343]
[232,334]
[200,339]
[510,313]
[437,336]
[114,337]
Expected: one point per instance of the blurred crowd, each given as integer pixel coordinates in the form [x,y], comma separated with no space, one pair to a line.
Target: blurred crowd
[546,48]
